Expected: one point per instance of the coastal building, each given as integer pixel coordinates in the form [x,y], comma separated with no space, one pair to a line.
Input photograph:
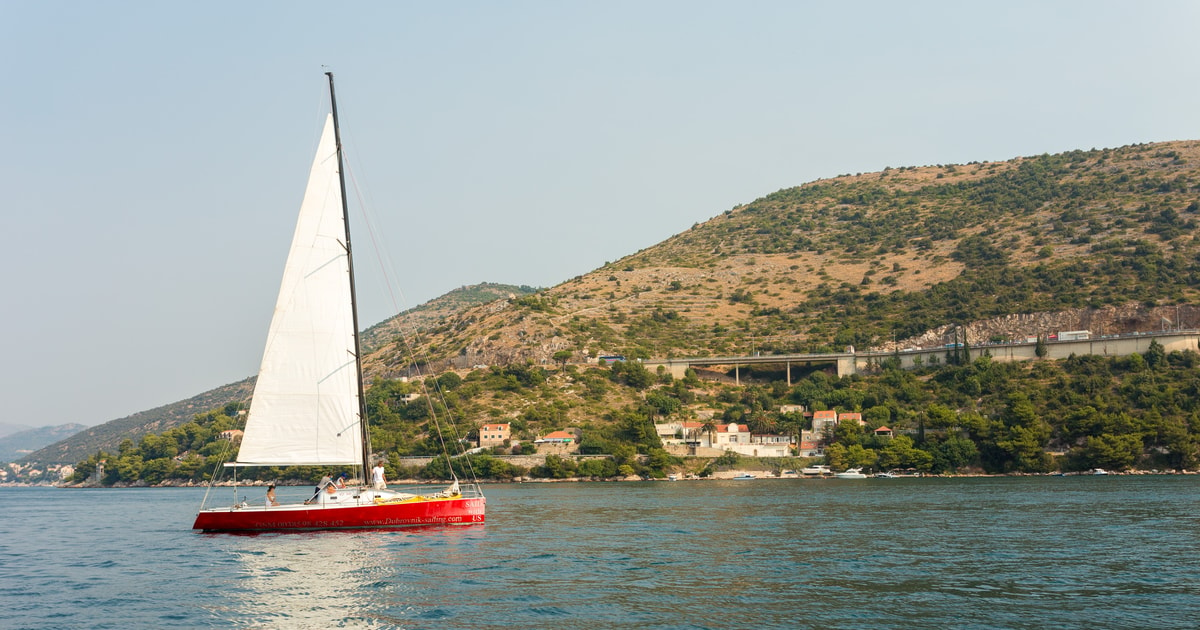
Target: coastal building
[810,444]
[680,432]
[230,435]
[556,437]
[851,416]
[730,434]
[494,434]
[692,437]
[883,432]
[824,420]
[557,442]
[738,438]
[770,445]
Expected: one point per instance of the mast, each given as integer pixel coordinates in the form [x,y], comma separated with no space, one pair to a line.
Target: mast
[362,399]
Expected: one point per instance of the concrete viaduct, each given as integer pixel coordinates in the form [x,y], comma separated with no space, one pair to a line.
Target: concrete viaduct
[852,362]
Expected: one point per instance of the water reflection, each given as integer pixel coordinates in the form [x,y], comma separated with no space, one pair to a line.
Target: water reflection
[340,579]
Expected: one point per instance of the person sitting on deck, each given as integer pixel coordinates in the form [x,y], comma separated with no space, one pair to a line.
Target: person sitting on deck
[271,502]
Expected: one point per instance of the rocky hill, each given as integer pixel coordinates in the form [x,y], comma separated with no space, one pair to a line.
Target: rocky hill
[1099,239]
[21,443]
[108,436]
[431,313]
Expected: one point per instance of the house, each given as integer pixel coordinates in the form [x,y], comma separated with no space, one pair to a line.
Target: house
[231,435]
[824,420]
[770,445]
[883,432]
[738,438]
[851,417]
[556,437]
[732,433]
[494,434]
[810,444]
[681,432]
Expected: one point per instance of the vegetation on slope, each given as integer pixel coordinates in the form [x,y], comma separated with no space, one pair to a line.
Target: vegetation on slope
[1084,412]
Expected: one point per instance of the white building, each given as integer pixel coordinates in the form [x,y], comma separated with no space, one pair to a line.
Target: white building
[726,437]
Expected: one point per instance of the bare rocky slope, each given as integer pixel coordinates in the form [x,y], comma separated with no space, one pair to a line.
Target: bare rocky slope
[1101,240]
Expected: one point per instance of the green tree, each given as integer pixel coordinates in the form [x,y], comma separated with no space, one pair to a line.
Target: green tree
[561,357]
[901,453]
[599,468]
[1156,355]
[952,454]
[1115,452]
[859,457]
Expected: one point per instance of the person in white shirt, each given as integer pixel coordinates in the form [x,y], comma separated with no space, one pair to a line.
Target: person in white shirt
[377,477]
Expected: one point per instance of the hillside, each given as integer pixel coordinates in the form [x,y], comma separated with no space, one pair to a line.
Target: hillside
[429,314]
[9,429]
[108,436]
[1107,235]
[22,443]
[1100,239]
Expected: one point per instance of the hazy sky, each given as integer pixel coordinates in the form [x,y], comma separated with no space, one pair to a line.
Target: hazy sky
[154,153]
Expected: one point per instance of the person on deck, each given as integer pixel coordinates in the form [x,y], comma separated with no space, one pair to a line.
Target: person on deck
[377,477]
[330,495]
[326,482]
[271,502]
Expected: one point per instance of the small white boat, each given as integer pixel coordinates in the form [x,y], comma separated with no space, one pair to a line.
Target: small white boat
[672,477]
[743,477]
[1099,471]
[885,475]
[851,473]
[819,469]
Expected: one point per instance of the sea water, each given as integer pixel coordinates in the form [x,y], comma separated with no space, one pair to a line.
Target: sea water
[1045,552]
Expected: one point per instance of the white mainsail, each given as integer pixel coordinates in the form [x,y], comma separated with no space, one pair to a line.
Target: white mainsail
[305,405]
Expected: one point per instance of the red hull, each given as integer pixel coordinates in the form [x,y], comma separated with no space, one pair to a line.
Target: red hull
[458,511]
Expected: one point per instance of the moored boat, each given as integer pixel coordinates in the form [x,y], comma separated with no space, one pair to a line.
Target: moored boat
[851,473]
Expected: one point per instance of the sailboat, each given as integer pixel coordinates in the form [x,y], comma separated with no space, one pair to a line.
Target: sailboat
[308,407]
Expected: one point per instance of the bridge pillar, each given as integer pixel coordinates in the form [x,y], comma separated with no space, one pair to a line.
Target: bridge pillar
[845,365]
[677,369]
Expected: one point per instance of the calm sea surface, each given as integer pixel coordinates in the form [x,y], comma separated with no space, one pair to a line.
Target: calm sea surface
[1052,552]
